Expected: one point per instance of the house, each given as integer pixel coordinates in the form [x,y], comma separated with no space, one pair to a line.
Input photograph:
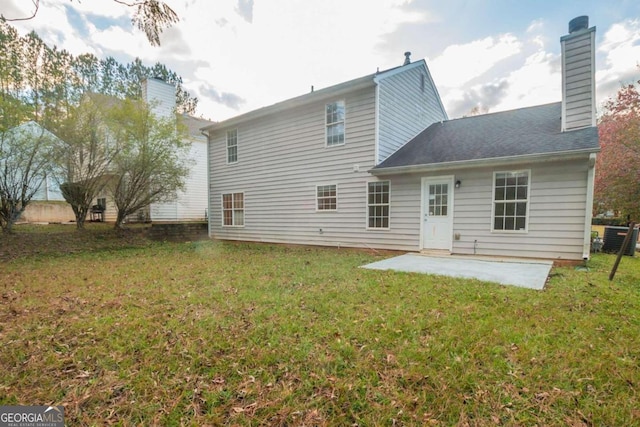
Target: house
[375,162]
[190,204]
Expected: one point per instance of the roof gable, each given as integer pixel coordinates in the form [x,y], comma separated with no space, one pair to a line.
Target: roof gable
[515,133]
[31,129]
[369,80]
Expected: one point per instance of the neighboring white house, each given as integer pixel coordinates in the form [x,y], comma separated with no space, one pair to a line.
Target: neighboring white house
[191,203]
[374,162]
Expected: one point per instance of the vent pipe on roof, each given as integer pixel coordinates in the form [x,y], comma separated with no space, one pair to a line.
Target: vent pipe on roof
[407,58]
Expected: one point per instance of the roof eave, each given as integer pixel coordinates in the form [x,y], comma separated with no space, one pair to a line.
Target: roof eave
[332,91]
[494,161]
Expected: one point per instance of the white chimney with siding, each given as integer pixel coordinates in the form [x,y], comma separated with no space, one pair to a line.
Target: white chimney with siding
[161,96]
[578,75]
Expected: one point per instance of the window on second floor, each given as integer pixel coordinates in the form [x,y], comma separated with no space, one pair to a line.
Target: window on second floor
[334,119]
[232,146]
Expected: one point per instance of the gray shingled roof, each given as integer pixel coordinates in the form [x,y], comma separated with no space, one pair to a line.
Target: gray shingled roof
[194,124]
[521,132]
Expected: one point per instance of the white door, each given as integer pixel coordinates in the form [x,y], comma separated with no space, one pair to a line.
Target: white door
[437,213]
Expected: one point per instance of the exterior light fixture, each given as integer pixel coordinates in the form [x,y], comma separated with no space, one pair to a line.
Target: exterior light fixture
[458,182]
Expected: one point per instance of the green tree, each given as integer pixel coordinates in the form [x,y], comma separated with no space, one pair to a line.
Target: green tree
[152,164]
[618,166]
[73,97]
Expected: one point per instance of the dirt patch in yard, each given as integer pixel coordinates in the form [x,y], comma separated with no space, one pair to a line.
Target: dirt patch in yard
[30,240]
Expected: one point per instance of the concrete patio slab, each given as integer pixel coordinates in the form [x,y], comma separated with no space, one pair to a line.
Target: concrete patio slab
[522,273]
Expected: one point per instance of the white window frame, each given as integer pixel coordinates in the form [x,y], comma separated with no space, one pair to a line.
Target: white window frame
[230,162]
[494,202]
[328,124]
[388,204]
[233,210]
[327,197]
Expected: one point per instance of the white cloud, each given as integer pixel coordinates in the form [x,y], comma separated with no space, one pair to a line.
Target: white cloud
[620,53]
[54,28]
[263,52]
[115,39]
[537,82]
[461,63]
[536,26]
[498,73]
[288,46]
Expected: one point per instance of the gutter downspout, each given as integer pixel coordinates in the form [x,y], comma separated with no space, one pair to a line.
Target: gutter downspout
[206,135]
[591,173]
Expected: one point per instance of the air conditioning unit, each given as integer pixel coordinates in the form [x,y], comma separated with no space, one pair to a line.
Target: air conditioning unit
[614,238]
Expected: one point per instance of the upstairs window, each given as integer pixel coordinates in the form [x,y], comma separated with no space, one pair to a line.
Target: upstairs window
[510,201]
[327,198]
[233,209]
[334,118]
[232,146]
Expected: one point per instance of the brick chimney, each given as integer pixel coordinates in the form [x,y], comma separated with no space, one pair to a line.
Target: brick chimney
[578,75]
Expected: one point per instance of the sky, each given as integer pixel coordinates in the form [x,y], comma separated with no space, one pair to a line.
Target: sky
[239,55]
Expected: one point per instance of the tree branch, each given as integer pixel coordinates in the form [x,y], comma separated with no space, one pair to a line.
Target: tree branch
[36,3]
[150,16]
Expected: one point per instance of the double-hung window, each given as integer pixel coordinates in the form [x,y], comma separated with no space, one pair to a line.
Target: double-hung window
[334,120]
[510,200]
[233,209]
[378,204]
[327,197]
[232,146]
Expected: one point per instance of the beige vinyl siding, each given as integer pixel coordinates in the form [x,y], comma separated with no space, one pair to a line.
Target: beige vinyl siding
[578,78]
[161,96]
[556,212]
[191,203]
[557,198]
[283,158]
[48,190]
[405,109]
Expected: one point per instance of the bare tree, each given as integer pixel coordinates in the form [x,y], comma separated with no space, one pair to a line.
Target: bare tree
[84,154]
[25,152]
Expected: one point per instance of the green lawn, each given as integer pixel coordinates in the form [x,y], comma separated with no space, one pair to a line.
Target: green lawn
[123,331]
